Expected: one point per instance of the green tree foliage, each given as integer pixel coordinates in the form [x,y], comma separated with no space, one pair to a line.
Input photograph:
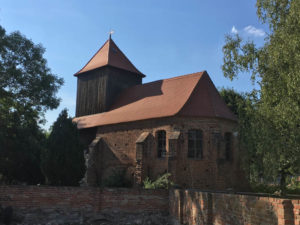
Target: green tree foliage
[63,160]
[235,101]
[162,182]
[27,90]
[273,135]
[243,106]
[20,154]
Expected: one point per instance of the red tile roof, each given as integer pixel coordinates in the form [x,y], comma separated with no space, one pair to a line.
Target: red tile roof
[189,95]
[109,55]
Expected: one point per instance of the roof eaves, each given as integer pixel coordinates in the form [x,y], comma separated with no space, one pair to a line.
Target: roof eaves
[77,121]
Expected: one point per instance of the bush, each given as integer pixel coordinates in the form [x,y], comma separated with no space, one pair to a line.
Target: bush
[162,182]
[117,179]
[293,188]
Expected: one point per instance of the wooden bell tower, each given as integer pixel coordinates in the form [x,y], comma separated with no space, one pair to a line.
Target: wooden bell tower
[103,78]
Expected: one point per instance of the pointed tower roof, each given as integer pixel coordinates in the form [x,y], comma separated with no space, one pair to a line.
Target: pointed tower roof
[109,55]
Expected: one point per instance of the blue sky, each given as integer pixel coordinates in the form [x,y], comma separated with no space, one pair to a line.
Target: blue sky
[162,38]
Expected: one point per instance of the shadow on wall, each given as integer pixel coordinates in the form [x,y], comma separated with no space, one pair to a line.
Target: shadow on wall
[242,209]
[196,207]
[130,95]
[105,167]
[288,212]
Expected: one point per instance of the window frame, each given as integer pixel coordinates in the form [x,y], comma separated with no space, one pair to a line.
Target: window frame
[161,143]
[228,145]
[195,144]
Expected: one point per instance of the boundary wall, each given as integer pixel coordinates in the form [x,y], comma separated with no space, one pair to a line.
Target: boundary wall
[184,206]
[83,199]
[199,207]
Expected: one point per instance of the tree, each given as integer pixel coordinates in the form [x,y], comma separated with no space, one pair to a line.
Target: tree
[234,100]
[27,90]
[274,148]
[63,160]
[243,106]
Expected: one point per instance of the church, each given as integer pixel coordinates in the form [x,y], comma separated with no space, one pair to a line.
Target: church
[178,125]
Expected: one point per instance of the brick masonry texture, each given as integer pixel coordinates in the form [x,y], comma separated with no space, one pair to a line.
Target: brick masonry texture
[184,206]
[196,207]
[214,172]
[84,198]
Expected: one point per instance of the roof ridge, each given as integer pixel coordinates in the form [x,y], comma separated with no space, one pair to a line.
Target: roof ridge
[173,78]
[124,56]
[186,75]
[109,49]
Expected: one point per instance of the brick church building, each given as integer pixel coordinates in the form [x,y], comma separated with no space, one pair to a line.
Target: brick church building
[179,125]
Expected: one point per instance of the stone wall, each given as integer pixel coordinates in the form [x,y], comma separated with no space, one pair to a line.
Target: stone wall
[196,207]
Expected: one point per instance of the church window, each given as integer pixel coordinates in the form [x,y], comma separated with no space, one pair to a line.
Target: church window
[195,149]
[161,143]
[228,145]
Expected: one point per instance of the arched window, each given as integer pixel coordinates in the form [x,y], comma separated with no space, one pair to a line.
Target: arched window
[228,145]
[195,149]
[161,143]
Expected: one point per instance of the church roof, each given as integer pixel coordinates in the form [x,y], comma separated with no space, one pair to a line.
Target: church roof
[109,55]
[190,95]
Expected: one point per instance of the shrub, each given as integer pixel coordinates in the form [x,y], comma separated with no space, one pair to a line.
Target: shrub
[63,160]
[162,182]
[117,179]
[292,189]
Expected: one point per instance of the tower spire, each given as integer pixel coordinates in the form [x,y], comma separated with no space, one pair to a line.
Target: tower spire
[110,33]
[110,54]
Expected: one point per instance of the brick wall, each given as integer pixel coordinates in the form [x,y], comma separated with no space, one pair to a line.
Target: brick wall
[213,171]
[196,207]
[185,206]
[84,198]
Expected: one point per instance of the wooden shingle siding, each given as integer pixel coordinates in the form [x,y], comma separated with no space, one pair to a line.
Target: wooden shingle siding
[98,89]
[118,81]
[91,92]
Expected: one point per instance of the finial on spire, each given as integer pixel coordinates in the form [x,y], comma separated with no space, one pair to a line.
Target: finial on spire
[110,33]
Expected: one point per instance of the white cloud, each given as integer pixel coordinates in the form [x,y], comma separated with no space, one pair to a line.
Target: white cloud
[234,30]
[251,30]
